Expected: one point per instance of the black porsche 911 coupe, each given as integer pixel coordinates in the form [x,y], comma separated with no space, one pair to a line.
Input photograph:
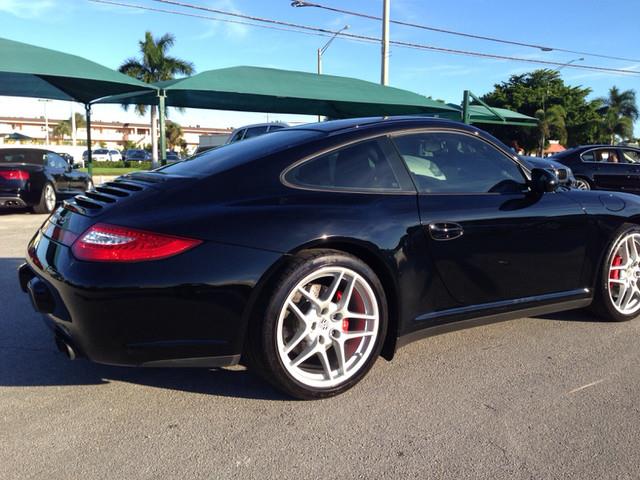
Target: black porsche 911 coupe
[309,252]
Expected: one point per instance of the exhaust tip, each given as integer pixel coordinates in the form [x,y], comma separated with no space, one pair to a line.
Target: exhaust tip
[65,348]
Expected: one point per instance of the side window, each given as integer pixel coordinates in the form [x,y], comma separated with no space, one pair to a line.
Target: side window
[362,166]
[55,161]
[255,132]
[631,156]
[606,156]
[588,156]
[237,136]
[458,163]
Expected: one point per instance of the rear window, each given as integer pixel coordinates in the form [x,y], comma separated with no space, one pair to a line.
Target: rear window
[234,154]
[34,157]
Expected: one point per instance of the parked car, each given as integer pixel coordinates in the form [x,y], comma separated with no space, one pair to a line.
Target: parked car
[309,252]
[603,167]
[37,178]
[136,155]
[250,131]
[103,155]
[172,157]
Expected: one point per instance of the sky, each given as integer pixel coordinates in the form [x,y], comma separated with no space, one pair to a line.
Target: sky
[109,34]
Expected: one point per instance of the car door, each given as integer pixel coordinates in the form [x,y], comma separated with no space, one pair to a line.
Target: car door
[632,158]
[610,171]
[57,169]
[491,238]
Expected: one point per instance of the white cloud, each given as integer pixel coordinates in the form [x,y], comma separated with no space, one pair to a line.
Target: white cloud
[28,8]
[229,30]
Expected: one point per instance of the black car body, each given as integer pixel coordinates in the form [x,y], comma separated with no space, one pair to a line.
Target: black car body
[453,229]
[603,167]
[37,178]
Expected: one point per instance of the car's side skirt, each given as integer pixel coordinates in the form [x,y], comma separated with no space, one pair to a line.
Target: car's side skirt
[477,315]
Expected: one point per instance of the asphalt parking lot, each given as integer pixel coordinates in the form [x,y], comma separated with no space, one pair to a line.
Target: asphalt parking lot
[549,397]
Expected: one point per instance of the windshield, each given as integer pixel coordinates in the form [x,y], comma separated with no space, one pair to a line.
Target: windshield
[234,154]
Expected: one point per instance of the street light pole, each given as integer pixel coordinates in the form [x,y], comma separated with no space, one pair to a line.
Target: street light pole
[546,94]
[321,51]
[384,74]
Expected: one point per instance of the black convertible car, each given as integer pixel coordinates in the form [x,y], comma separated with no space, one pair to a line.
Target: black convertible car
[36,178]
[309,252]
[603,167]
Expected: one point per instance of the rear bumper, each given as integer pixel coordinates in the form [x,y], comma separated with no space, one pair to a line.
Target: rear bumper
[175,312]
[12,202]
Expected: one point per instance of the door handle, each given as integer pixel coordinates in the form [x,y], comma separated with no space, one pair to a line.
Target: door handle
[445,230]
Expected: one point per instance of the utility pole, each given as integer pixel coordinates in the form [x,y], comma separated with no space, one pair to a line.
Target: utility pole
[384,74]
[73,126]
[46,120]
[324,49]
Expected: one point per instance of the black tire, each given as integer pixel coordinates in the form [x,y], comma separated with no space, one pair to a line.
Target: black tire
[263,355]
[45,205]
[587,183]
[602,304]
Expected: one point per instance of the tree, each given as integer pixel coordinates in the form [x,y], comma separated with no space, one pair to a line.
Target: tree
[541,90]
[173,133]
[619,110]
[155,66]
[551,124]
[63,128]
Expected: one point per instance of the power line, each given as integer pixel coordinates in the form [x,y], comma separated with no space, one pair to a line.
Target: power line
[363,38]
[544,48]
[223,20]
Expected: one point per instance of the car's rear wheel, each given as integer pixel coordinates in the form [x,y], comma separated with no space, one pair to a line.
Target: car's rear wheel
[47,201]
[583,184]
[617,295]
[324,326]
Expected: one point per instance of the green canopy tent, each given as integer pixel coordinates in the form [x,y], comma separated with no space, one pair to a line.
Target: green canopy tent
[31,71]
[484,113]
[257,89]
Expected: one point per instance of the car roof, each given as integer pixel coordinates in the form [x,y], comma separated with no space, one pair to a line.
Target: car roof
[25,147]
[398,122]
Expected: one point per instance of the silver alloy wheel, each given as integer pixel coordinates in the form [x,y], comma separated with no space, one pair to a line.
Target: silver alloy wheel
[624,275]
[49,197]
[328,327]
[582,184]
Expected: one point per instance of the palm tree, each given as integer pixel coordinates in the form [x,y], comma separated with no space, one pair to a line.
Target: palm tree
[551,121]
[155,66]
[619,110]
[63,128]
[174,134]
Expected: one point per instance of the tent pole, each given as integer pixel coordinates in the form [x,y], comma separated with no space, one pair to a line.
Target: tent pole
[163,137]
[466,115]
[87,109]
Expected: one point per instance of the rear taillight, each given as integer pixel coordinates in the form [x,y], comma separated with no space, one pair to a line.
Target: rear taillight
[14,174]
[111,243]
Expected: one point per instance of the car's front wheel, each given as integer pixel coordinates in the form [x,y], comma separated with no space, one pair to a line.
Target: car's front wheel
[583,184]
[324,326]
[617,295]
[47,200]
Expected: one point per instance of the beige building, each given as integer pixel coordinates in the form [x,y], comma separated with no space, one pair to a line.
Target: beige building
[112,134]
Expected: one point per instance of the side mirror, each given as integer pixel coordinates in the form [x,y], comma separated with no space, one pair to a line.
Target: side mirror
[543,181]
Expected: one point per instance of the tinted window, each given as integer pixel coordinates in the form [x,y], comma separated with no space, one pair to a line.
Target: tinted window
[237,136]
[360,166]
[229,156]
[113,152]
[605,156]
[588,157]
[101,152]
[457,163]
[631,156]
[275,127]
[55,161]
[255,132]
[35,157]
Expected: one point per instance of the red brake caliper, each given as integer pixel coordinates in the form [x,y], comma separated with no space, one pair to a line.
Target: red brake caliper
[615,274]
[345,321]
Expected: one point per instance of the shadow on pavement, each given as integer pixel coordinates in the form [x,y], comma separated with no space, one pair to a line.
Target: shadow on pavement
[582,315]
[28,357]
